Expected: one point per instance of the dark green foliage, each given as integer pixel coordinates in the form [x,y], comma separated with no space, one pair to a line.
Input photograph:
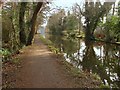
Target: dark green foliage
[112,25]
[71,22]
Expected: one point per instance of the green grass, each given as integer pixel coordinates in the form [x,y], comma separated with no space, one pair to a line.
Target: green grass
[102,86]
[49,44]
[45,41]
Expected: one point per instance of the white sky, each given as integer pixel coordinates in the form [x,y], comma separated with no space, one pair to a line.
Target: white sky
[66,3]
[69,3]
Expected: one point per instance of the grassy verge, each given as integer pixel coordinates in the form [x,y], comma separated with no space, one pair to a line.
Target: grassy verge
[93,79]
[45,41]
[50,45]
[82,79]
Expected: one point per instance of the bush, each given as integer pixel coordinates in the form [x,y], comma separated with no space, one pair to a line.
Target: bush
[5,53]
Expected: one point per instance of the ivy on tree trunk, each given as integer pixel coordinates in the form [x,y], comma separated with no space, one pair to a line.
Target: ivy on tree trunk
[22,23]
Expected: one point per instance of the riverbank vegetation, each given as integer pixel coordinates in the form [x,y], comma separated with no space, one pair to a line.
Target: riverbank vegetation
[98,22]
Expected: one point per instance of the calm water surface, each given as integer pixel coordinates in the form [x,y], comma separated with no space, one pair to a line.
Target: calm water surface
[93,57]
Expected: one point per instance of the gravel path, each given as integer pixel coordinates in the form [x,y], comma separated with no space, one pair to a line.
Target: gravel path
[40,69]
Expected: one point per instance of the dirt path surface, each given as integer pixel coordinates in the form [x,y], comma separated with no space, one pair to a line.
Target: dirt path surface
[40,69]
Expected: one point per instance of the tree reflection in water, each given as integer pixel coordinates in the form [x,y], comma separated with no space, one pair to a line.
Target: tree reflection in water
[92,57]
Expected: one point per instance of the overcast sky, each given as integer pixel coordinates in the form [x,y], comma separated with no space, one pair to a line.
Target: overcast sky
[69,3]
[66,3]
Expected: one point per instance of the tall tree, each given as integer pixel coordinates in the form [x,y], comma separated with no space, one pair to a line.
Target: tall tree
[56,22]
[93,13]
[77,11]
[33,23]
[22,23]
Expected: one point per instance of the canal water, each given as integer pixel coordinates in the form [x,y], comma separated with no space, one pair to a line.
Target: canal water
[93,57]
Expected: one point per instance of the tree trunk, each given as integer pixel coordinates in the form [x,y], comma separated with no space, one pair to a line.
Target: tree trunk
[22,23]
[113,9]
[88,35]
[33,23]
[93,14]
